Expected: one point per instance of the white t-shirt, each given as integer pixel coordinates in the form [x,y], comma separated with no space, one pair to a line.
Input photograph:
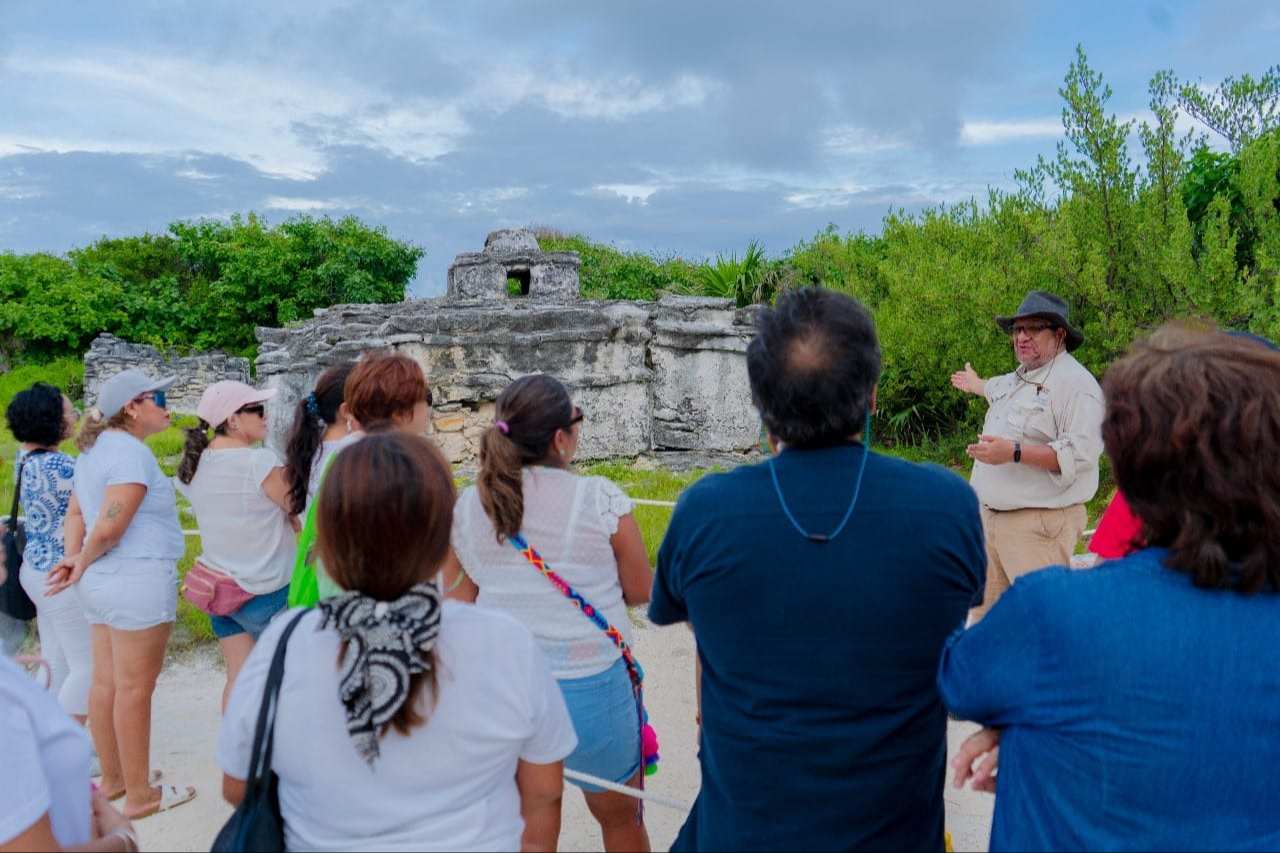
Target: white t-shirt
[117,458]
[46,761]
[327,449]
[569,520]
[244,532]
[448,785]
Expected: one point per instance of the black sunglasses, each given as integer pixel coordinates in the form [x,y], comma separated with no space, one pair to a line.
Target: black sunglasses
[577,418]
[256,409]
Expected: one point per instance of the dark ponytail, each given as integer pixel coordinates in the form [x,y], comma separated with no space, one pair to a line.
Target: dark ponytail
[528,414]
[197,441]
[312,416]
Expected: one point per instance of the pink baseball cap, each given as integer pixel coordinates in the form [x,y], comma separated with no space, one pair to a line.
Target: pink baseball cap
[223,399]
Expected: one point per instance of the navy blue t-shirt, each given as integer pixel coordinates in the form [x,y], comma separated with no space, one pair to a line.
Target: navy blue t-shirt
[822,727]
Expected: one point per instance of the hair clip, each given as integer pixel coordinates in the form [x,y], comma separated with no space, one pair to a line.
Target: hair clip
[502,425]
[313,405]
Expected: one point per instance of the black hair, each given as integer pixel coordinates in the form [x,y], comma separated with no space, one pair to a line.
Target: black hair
[193,448]
[313,414]
[35,415]
[813,365]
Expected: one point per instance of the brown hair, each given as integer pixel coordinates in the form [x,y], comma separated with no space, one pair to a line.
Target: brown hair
[384,514]
[1192,430]
[533,409]
[383,385]
[193,448]
[314,413]
[95,425]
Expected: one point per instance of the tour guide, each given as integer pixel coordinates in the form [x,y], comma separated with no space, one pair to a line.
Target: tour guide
[1036,462]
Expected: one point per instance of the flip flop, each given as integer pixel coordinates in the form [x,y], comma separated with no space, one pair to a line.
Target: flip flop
[156,776]
[171,796]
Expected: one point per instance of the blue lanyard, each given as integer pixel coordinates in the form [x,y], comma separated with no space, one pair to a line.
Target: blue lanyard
[820,537]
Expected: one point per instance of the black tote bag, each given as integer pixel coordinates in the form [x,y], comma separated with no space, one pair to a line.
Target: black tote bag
[13,598]
[256,824]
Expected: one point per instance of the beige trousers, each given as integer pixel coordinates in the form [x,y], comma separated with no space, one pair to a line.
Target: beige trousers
[1023,540]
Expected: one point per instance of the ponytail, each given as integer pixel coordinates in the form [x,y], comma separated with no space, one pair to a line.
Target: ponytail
[530,412]
[95,425]
[311,417]
[197,441]
[499,482]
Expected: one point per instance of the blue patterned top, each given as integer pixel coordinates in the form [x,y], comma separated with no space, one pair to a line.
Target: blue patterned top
[46,491]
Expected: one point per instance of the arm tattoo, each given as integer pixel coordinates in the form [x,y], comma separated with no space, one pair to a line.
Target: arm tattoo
[113,511]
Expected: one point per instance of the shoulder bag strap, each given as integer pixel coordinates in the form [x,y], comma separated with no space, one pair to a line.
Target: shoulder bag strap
[17,486]
[264,736]
[535,559]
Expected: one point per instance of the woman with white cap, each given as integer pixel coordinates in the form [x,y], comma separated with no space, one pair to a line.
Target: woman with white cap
[125,574]
[241,500]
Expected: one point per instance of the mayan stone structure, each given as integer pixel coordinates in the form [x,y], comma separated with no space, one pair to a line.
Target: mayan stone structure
[109,355]
[665,379]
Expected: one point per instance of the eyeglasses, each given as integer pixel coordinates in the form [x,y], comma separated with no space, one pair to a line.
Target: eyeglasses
[157,397]
[430,400]
[1029,329]
[577,417]
[256,409]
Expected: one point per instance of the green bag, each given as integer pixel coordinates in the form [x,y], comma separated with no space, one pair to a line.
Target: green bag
[310,584]
[304,588]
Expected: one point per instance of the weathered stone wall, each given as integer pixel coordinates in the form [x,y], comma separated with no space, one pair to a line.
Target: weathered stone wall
[108,355]
[666,378]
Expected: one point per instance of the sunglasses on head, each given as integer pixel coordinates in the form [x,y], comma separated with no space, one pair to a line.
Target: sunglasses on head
[157,397]
[255,409]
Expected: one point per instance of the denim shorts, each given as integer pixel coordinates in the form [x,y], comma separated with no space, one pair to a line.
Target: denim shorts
[603,710]
[253,617]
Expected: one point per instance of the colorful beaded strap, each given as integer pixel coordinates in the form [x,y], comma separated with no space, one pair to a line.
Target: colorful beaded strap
[648,738]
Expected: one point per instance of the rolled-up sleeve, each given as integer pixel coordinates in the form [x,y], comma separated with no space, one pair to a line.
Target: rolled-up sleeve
[1079,441]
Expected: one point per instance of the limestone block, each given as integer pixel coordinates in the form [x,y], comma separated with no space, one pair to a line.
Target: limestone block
[449,423]
[455,448]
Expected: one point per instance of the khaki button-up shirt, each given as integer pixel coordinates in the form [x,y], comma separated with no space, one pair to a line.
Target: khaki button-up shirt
[1059,405]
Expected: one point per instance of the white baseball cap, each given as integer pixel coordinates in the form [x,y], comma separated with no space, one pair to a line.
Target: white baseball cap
[223,399]
[128,385]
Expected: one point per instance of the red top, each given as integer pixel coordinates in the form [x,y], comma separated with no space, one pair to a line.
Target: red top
[1117,531]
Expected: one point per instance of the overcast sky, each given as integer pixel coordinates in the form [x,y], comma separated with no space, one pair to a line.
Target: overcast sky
[683,127]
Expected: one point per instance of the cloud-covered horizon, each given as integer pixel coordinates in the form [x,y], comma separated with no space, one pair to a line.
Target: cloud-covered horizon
[679,128]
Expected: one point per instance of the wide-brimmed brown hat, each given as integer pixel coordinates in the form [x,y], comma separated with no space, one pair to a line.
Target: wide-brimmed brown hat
[1046,306]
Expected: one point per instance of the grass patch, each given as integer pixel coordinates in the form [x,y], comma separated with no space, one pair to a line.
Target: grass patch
[654,484]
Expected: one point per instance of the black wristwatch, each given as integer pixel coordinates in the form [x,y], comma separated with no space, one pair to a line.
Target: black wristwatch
[1017,451]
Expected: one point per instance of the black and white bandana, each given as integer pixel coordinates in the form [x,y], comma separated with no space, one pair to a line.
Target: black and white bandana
[387,641]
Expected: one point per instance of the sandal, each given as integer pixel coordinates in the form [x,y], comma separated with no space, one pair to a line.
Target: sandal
[171,796]
[152,780]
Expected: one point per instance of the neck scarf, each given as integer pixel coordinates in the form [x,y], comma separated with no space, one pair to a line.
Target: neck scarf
[387,641]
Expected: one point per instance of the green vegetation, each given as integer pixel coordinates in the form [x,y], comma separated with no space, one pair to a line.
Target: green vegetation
[608,273]
[201,285]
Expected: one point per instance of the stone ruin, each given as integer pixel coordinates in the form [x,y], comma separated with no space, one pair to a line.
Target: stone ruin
[665,380]
[108,355]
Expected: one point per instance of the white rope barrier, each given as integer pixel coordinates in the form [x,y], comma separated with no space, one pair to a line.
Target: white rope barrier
[647,796]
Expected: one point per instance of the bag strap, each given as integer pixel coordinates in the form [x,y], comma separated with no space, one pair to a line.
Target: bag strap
[264,737]
[535,559]
[17,485]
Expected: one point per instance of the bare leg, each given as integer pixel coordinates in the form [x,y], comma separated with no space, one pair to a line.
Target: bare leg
[102,698]
[618,817]
[139,656]
[235,649]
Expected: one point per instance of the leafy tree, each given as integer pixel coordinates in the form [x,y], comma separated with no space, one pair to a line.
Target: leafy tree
[48,308]
[608,273]
[1240,109]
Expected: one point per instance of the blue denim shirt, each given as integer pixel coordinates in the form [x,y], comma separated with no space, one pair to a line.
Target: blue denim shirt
[1139,711]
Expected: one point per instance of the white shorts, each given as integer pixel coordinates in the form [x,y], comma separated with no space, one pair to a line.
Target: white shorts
[129,594]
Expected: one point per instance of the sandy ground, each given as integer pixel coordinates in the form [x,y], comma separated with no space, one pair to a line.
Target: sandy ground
[187,718]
